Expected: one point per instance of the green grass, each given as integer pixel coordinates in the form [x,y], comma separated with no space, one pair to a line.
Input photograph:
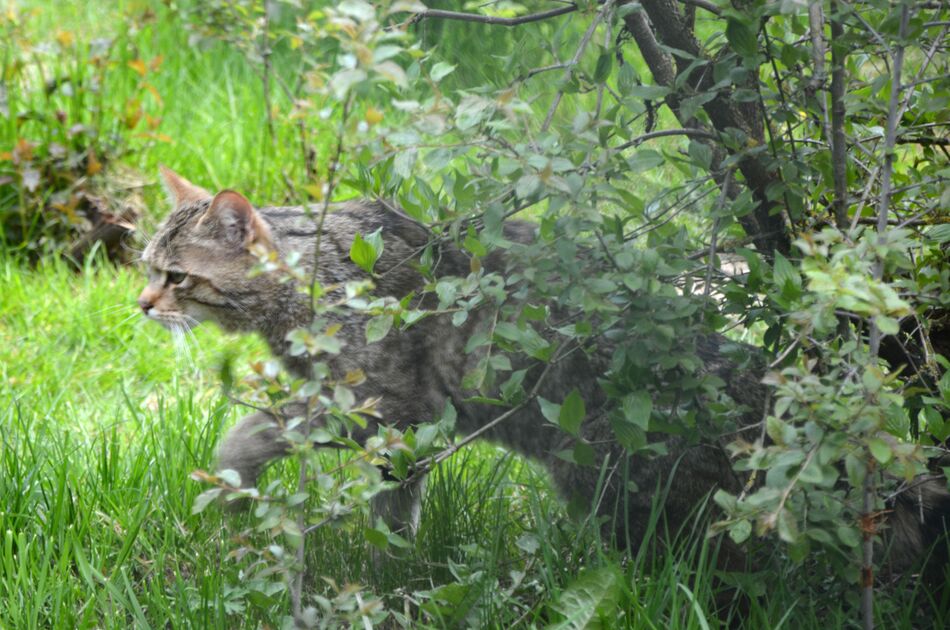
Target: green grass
[103,418]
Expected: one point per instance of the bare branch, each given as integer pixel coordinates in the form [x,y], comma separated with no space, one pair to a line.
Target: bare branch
[692,133]
[713,239]
[874,335]
[704,5]
[925,142]
[439,14]
[574,61]
[839,149]
[537,71]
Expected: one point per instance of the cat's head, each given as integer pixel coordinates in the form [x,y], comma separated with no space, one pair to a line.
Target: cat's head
[199,260]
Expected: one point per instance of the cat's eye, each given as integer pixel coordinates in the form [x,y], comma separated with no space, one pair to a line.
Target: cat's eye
[175,277]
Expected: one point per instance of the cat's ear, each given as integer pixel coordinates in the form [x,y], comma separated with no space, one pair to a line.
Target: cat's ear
[181,190]
[236,219]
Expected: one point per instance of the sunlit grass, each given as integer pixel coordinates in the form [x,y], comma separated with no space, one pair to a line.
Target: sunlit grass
[103,417]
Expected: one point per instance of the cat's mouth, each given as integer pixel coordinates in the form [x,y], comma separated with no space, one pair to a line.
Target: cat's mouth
[174,321]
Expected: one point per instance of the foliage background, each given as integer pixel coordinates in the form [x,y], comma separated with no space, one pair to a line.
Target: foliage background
[104,420]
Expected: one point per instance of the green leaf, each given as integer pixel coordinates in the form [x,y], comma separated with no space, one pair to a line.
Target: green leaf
[785,275]
[940,233]
[595,593]
[880,449]
[528,543]
[740,531]
[856,470]
[630,436]
[604,65]
[393,72]
[527,185]
[637,408]
[787,527]
[204,499]
[378,327]
[366,251]
[848,535]
[584,454]
[742,37]
[888,325]
[551,411]
[376,538]
[441,70]
[230,477]
[475,246]
[700,153]
[725,500]
[626,79]
[344,397]
[341,82]
[572,413]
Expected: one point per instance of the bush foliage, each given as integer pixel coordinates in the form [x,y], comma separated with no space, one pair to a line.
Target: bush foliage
[772,171]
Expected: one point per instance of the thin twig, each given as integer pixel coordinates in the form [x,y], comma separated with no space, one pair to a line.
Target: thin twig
[575,60]
[332,169]
[439,14]
[265,53]
[537,71]
[686,131]
[425,465]
[714,238]
[816,30]
[874,335]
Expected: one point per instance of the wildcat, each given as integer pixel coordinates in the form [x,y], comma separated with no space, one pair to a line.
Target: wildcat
[199,263]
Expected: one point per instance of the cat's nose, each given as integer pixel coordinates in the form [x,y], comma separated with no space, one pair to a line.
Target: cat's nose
[145,303]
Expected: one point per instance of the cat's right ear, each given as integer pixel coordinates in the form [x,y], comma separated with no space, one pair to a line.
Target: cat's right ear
[181,190]
[236,220]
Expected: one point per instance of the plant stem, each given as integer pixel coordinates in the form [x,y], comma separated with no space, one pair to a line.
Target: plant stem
[575,60]
[839,150]
[874,336]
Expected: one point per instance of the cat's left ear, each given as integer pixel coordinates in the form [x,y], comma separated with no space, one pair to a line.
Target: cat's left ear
[236,218]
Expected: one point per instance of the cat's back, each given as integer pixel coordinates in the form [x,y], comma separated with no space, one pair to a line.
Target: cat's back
[295,229]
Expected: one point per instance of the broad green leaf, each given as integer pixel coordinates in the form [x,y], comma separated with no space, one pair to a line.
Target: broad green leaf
[740,531]
[441,70]
[785,275]
[204,499]
[604,65]
[376,538]
[366,251]
[378,327]
[742,36]
[880,449]
[572,413]
[584,454]
[637,408]
[551,411]
[595,593]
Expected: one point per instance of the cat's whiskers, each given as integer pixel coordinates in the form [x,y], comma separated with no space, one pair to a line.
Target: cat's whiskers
[187,339]
[138,251]
[181,341]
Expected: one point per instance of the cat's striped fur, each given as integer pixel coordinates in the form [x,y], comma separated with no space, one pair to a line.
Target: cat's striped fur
[199,263]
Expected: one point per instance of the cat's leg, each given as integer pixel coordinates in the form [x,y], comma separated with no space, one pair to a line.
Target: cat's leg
[254,442]
[400,508]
